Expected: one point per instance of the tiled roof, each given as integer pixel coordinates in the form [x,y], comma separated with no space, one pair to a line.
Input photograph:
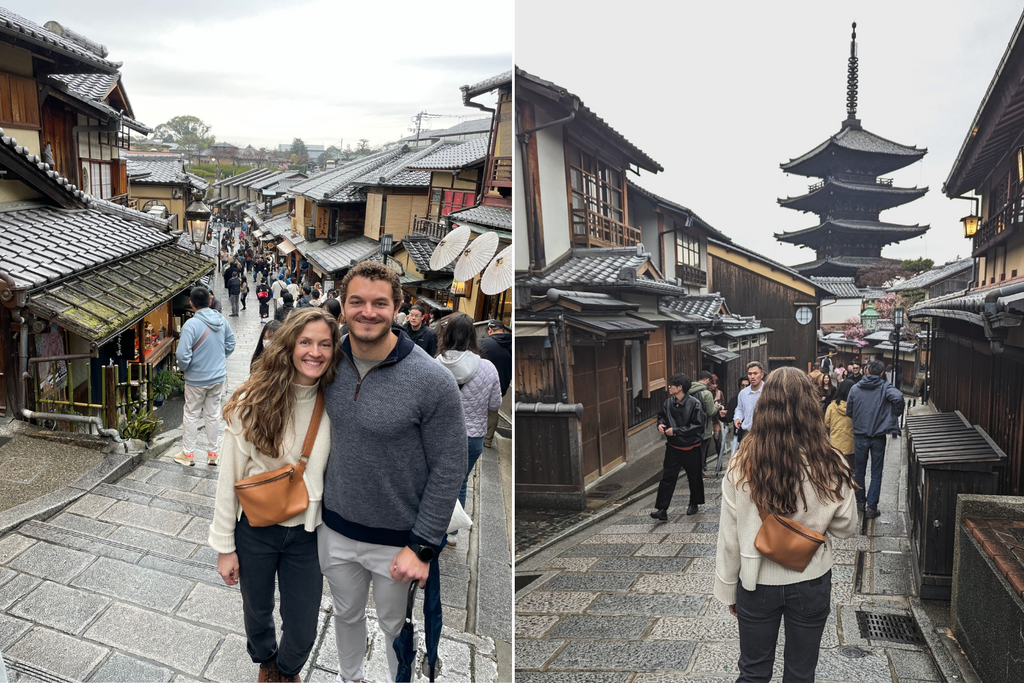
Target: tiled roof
[590,301]
[611,324]
[279,225]
[455,156]
[871,293]
[160,169]
[891,231]
[90,86]
[733,246]
[420,248]
[486,85]
[603,267]
[859,140]
[44,244]
[18,27]
[329,183]
[677,207]
[472,127]
[848,262]
[489,216]
[340,256]
[840,287]
[697,307]
[209,249]
[892,196]
[99,303]
[930,277]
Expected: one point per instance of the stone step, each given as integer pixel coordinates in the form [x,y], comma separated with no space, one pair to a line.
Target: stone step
[18,670]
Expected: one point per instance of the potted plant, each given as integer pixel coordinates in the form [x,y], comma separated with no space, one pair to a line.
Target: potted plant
[164,384]
[142,425]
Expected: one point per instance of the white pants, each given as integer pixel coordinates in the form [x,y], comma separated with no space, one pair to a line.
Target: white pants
[205,400]
[349,566]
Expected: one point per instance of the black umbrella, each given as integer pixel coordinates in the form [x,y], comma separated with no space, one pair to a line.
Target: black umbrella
[405,643]
[432,618]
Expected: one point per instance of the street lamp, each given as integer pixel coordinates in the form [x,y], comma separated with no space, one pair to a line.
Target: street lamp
[897,323]
[869,319]
[970,225]
[197,215]
[387,241]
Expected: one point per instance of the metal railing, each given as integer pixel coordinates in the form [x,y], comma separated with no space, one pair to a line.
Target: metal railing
[425,226]
[999,225]
[851,179]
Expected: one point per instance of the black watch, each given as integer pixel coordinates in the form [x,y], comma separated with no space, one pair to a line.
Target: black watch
[425,553]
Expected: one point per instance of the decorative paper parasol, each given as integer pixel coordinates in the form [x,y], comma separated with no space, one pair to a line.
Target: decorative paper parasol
[450,248]
[476,256]
[499,273]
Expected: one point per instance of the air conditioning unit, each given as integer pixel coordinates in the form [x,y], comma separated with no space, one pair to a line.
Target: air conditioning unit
[311,234]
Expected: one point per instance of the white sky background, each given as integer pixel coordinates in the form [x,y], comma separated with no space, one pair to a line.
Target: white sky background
[721,93]
[263,72]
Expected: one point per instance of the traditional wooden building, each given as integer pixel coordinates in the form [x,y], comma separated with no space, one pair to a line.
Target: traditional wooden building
[850,194]
[977,364]
[159,183]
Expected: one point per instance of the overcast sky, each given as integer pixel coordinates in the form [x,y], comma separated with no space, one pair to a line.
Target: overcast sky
[264,72]
[721,93]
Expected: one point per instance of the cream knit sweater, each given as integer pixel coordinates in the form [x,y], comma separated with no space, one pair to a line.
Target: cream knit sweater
[739,561]
[239,459]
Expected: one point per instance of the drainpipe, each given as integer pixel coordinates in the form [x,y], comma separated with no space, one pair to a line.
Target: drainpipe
[991,302]
[523,138]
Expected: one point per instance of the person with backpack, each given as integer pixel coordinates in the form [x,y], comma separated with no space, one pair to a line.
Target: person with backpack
[243,291]
[701,389]
[682,420]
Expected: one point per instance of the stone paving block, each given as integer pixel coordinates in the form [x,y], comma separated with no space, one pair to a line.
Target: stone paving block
[145,517]
[531,626]
[133,583]
[232,662]
[723,659]
[91,505]
[913,665]
[142,473]
[456,659]
[570,677]
[677,605]
[844,556]
[215,606]
[51,562]
[602,549]
[12,545]
[629,656]
[630,528]
[698,550]
[321,676]
[834,667]
[572,564]
[531,654]
[595,626]
[623,538]
[120,668]
[206,555]
[494,613]
[699,629]
[140,487]
[11,629]
[691,537]
[591,582]
[123,494]
[191,509]
[706,528]
[6,575]
[715,608]
[197,531]
[546,602]
[704,565]
[643,565]
[659,550]
[679,527]
[59,653]
[687,584]
[148,540]
[205,487]
[170,479]
[454,591]
[142,633]
[16,588]
[86,525]
[174,568]
[188,497]
[59,607]
[71,539]
[857,542]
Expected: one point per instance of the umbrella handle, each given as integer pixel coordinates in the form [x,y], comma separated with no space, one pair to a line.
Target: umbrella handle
[411,602]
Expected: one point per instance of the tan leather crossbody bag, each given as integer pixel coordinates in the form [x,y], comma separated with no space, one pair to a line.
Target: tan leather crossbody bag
[786,542]
[274,497]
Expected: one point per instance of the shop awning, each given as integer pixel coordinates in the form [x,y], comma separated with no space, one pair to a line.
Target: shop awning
[285,247]
[99,304]
[433,303]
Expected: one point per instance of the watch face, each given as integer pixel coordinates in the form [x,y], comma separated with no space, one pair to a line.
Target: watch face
[426,554]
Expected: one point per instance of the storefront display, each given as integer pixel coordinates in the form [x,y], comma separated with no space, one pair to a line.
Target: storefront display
[155,335]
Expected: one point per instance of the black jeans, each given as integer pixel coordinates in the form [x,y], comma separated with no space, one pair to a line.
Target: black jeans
[675,460]
[290,554]
[805,605]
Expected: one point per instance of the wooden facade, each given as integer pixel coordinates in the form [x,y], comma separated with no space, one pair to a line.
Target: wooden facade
[19,102]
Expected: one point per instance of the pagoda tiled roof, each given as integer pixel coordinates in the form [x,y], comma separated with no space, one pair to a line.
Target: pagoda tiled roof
[882,233]
[889,155]
[839,265]
[881,196]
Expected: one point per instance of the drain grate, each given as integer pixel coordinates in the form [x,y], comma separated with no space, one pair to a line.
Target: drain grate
[524,580]
[896,628]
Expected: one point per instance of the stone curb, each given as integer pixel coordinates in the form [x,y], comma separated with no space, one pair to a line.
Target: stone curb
[575,529]
[945,651]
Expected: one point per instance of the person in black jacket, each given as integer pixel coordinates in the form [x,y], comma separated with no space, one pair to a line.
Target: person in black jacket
[497,348]
[234,289]
[681,421]
[420,332]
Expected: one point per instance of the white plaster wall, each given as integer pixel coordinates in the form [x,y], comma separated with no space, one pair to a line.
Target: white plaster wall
[840,311]
[554,201]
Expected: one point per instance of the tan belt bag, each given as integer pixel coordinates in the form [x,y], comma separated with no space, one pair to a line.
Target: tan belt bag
[274,497]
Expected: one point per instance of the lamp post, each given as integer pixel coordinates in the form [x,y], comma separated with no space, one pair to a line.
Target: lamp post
[197,215]
[897,323]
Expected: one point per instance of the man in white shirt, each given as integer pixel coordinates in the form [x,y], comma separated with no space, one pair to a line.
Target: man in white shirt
[275,291]
[747,400]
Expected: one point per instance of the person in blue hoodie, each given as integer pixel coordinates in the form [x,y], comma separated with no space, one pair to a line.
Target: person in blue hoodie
[205,343]
[874,405]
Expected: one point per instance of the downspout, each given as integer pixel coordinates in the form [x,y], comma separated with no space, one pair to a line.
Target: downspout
[991,302]
[523,138]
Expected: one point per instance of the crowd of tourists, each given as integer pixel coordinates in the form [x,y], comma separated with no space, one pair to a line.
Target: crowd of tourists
[796,448]
[382,411]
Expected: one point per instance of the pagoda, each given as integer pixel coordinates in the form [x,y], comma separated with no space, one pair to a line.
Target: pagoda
[850,195]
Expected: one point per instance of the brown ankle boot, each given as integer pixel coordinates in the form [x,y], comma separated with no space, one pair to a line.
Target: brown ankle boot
[290,679]
[269,673]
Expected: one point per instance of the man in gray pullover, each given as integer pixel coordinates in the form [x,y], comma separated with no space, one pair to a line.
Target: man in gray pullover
[398,458]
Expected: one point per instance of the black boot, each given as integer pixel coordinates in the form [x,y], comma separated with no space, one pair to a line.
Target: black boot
[692,510]
[660,515]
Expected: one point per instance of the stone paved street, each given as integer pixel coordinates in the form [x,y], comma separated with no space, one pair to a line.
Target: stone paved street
[628,600]
[121,585]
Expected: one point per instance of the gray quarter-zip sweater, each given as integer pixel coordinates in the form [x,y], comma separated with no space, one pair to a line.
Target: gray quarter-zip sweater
[398,448]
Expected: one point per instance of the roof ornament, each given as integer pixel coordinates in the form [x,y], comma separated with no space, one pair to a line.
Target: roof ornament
[851,81]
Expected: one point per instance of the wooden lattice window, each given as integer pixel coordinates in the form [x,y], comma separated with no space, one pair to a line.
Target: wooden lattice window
[598,200]
[687,250]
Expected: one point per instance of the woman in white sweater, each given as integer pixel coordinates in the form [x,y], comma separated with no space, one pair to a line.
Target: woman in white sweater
[785,465]
[267,420]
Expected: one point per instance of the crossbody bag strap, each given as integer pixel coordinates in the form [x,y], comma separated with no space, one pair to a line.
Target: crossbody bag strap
[201,339]
[314,429]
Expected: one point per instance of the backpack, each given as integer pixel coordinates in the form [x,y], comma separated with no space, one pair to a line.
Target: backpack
[689,431]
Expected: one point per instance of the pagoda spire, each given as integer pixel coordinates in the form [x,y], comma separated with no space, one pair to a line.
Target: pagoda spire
[851,84]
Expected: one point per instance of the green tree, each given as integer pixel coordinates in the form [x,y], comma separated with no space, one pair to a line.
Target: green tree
[917,266]
[299,150]
[189,132]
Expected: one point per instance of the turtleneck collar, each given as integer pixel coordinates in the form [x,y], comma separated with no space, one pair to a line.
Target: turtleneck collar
[304,393]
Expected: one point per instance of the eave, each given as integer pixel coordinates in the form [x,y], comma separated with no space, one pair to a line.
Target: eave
[879,197]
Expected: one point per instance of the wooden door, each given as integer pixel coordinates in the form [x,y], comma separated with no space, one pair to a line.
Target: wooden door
[598,385]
